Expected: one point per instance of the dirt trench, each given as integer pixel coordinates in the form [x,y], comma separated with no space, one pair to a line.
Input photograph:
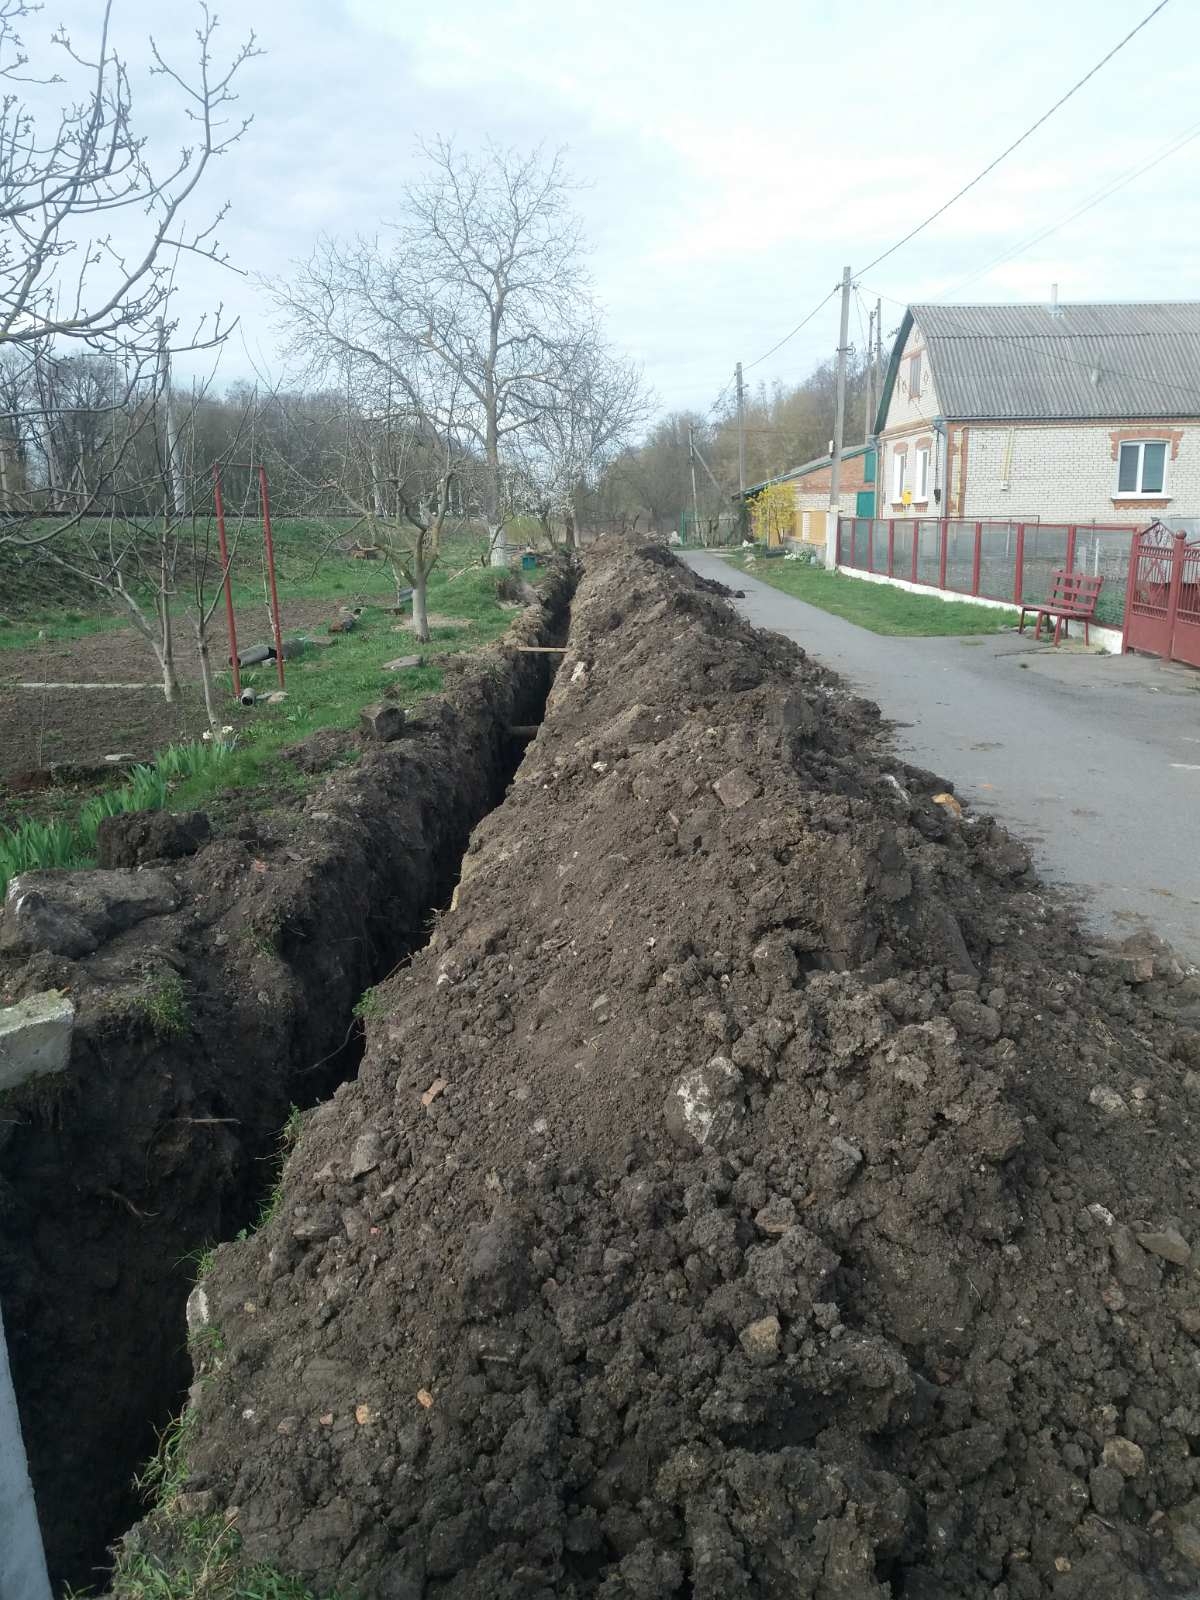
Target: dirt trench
[757,1186]
[163,1136]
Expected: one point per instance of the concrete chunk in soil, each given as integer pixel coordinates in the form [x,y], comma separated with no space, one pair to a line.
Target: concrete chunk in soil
[401,663]
[704,1104]
[73,913]
[35,1037]
[383,721]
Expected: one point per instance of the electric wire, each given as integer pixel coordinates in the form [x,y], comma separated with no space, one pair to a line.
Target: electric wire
[1032,129]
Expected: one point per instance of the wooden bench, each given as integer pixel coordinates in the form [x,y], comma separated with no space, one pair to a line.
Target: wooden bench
[1073,599]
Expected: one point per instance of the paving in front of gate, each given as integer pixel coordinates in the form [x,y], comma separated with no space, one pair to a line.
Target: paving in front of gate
[1094,760]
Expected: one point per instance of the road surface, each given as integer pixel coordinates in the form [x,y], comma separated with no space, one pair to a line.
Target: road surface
[1094,760]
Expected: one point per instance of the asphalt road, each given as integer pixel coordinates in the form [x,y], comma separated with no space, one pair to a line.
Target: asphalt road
[1093,760]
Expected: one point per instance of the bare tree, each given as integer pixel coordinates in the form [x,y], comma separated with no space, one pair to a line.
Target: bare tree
[65,277]
[482,280]
[599,404]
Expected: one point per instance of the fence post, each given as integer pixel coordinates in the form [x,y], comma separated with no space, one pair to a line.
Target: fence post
[945,538]
[891,547]
[1071,532]
[1130,588]
[870,544]
[1019,567]
[916,540]
[1173,592]
[975,560]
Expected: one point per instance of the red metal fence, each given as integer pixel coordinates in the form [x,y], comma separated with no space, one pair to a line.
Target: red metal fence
[1162,614]
[1010,561]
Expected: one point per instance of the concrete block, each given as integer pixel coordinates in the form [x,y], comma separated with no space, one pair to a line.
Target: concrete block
[384,721]
[35,1037]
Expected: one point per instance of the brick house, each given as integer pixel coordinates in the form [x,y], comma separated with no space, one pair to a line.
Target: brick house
[812,482]
[1053,413]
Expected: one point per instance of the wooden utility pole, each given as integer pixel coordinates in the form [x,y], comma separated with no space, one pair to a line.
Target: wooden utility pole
[878,352]
[695,496]
[741,416]
[839,428]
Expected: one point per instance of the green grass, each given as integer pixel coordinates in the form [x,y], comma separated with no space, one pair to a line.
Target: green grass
[42,604]
[71,842]
[164,1005]
[191,1557]
[877,606]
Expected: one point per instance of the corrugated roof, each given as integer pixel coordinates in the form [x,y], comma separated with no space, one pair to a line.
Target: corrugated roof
[1026,362]
[802,471]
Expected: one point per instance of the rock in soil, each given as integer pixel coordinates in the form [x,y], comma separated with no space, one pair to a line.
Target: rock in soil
[136,837]
[73,913]
[813,1272]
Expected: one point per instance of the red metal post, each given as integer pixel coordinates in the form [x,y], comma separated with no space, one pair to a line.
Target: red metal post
[269,547]
[891,547]
[870,544]
[945,535]
[975,561]
[1019,568]
[1071,532]
[1130,588]
[1177,557]
[916,540]
[219,505]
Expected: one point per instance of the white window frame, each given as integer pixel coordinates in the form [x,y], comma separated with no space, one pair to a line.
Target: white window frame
[921,475]
[1139,493]
[899,467]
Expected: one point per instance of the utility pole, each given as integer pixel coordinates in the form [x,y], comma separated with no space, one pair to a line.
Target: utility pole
[695,497]
[879,351]
[741,416]
[839,428]
[870,376]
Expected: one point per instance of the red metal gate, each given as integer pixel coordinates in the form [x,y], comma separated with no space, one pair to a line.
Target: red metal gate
[1162,604]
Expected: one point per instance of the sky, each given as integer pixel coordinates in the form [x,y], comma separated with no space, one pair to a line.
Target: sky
[732,158]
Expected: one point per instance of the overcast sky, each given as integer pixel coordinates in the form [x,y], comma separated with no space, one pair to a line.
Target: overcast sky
[733,156]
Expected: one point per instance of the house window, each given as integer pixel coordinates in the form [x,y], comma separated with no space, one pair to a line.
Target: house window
[1142,468]
[921,487]
[914,377]
[898,459]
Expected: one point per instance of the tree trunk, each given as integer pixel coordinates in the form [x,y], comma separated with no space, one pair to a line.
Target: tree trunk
[206,677]
[420,607]
[166,650]
[571,540]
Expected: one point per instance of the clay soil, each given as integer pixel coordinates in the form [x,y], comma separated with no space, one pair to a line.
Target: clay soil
[757,1187]
[83,726]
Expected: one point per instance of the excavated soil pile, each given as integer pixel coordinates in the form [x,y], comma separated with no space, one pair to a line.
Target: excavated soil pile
[757,1187]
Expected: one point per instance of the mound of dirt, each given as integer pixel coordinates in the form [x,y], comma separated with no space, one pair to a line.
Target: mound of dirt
[758,1186]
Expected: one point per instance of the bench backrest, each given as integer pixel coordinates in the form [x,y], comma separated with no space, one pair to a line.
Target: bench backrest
[1075,589]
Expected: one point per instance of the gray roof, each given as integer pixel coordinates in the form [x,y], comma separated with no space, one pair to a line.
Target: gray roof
[803,470]
[1015,362]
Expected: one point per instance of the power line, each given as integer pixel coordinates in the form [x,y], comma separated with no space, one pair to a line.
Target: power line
[1032,129]
[1176,144]
[803,323]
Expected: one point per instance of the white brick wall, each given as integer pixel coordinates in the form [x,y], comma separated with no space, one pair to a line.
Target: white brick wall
[910,417]
[1065,472]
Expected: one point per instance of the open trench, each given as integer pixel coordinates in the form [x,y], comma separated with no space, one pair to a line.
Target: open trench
[159,1142]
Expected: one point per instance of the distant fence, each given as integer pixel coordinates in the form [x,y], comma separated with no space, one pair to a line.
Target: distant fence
[1010,561]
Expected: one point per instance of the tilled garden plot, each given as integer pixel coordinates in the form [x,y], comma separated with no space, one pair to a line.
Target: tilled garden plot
[756,1187]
